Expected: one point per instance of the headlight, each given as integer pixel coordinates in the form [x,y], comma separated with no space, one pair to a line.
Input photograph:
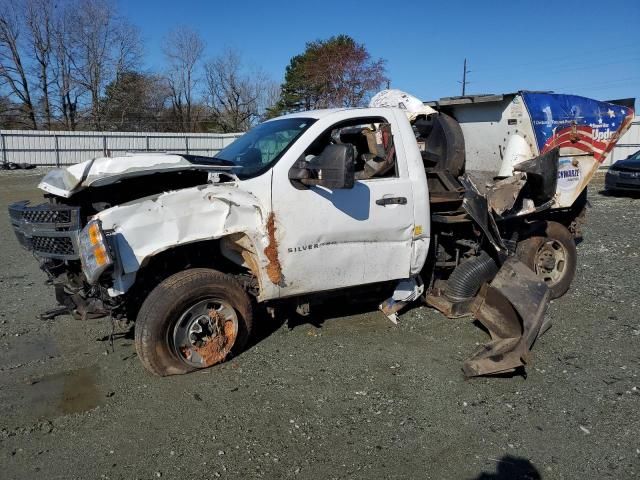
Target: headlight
[613,172]
[94,251]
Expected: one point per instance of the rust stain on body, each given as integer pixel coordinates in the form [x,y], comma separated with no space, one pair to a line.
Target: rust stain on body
[274,269]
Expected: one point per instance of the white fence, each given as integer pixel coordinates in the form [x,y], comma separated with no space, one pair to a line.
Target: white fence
[66,148]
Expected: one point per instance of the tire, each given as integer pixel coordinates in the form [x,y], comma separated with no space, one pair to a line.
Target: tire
[177,307]
[552,256]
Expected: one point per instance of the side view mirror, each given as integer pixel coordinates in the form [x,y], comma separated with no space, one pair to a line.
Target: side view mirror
[334,168]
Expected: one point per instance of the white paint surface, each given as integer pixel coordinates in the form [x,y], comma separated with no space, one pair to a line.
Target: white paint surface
[341,238]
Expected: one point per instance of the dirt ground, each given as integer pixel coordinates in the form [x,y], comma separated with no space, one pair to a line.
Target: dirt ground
[347,396]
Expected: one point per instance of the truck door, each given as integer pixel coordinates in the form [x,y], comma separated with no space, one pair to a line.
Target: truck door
[333,239]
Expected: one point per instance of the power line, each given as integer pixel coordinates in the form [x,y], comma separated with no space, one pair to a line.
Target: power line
[628,81]
[598,68]
[563,59]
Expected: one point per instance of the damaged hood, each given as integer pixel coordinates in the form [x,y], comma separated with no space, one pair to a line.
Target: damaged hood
[67,181]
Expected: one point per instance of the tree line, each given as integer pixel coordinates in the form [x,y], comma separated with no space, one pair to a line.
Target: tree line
[77,65]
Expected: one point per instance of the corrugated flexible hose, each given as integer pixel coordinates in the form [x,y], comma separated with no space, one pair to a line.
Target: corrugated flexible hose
[468,277]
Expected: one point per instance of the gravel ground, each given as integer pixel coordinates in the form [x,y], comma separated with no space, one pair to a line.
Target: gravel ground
[348,397]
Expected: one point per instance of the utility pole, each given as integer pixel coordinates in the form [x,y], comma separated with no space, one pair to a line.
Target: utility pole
[464,77]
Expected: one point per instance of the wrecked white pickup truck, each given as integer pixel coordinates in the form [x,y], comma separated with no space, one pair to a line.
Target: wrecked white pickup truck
[328,203]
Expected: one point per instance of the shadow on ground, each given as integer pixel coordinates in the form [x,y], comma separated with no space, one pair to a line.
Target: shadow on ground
[620,193]
[319,313]
[512,468]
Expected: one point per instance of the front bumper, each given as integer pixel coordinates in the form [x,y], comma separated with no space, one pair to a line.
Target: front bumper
[50,231]
[622,180]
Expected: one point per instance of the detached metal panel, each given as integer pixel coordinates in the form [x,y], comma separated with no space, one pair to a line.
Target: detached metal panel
[49,148]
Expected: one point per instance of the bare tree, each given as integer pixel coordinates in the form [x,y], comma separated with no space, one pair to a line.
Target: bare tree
[104,45]
[270,99]
[183,49]
[74,63]
[135,102]
[13,70]
[40,23]
[237,98]
[67,89]
[5,112]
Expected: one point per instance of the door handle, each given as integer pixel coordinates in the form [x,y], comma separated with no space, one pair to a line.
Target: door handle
[391,201]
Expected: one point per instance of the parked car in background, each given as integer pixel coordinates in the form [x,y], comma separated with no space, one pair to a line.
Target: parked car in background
[624,175]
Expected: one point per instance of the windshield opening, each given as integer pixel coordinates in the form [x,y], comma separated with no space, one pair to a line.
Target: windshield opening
[262,146]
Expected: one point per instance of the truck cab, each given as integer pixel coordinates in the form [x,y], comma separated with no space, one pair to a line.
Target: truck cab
[375,230]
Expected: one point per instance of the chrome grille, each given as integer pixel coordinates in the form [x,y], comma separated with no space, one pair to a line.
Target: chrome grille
[50,231]
[53,245]
[47,216]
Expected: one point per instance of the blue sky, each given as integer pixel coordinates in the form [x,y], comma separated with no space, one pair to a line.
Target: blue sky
[586,47]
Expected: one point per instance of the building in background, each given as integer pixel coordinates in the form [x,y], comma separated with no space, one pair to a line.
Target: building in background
[628,144]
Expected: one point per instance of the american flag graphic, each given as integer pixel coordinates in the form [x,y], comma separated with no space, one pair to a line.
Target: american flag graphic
[579,137]
[576,123]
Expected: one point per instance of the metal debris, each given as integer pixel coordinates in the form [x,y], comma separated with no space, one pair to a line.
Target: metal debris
[502,194]
[512,308]
[406,292]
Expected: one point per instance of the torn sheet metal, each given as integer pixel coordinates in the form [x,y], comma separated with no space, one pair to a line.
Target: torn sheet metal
[531,188]
[476,206]
[512,308]
[542,176]
[64,182]
[503,194]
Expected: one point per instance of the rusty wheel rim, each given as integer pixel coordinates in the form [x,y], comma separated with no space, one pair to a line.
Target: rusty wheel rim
[205,333]
[550,262]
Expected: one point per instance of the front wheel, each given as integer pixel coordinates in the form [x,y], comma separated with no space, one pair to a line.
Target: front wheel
[552,256]
[192,320]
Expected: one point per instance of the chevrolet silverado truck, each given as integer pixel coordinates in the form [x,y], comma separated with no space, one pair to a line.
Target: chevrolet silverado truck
[331,203]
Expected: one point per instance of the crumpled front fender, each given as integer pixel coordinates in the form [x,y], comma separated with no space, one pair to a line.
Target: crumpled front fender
[141,229]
